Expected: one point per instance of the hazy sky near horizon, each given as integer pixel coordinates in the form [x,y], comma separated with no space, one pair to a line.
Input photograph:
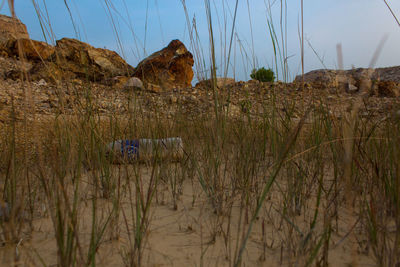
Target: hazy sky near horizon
[358,25]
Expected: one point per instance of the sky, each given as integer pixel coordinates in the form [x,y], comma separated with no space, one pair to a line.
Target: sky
[137,28]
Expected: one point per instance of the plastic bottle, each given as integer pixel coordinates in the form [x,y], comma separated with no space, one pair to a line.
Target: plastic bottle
[146,149]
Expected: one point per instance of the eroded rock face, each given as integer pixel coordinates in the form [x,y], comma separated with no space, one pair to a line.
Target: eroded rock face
[33,50]
[12,28]
[169,68]
[85,61]
[69,59]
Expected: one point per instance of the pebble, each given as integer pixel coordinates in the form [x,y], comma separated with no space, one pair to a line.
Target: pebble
[352,88]
[42,82]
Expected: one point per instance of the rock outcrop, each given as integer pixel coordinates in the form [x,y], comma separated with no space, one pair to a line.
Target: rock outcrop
[32,50]
[12,28]
[69,59]
[167,69]
[384,82]
[83,61]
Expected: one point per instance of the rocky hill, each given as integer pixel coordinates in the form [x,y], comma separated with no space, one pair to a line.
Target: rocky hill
[50,79]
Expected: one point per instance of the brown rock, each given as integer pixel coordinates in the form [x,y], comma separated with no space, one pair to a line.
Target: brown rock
[118,82]
[345,80]
[351,88]
[327,77]
[11,68]
[388,89]
[74,59]
[33,50]
[168,68]
[51,72]
[12,28]
[388,74]
[366,79]
[154,88]
[83,59]
[134,83]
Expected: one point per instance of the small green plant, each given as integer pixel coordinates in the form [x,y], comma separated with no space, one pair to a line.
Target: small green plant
[263,75]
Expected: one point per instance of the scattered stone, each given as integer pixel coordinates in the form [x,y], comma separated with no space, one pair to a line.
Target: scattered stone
[167,69]
[388,89]
[153,88]
[42,82]
[134,83]
[15,69]
[67,95]
[62,73]
[387,74]
[351,88]
[233,110]
[221,82]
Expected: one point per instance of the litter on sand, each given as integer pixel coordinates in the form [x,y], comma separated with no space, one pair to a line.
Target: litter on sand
[146,149]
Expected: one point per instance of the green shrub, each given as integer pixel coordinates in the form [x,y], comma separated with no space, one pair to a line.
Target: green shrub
[263,75]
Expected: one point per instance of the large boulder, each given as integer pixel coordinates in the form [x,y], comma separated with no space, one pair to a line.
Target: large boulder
[12,28]
[69,59]
[33,50]
[167,69]
[86,61]
[72,59]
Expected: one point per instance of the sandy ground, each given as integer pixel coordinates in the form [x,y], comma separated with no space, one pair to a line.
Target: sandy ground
[183,237]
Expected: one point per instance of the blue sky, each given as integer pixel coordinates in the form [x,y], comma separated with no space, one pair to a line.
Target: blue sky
[358,25]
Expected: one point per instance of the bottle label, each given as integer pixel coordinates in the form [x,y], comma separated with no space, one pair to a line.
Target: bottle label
[130,149]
